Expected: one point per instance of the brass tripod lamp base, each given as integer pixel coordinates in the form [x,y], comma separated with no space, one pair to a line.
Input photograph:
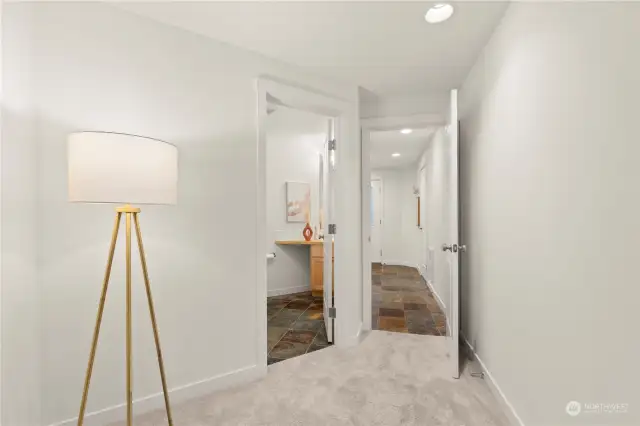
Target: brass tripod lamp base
[131,213]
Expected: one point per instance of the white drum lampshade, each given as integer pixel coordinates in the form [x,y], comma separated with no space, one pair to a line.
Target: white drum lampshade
[119,168]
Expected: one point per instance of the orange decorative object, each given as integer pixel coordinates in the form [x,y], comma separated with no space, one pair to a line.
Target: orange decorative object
[307,232]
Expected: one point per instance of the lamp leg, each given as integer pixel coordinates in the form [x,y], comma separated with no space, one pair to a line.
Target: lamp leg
[128,321]
[156,336]
[96,330]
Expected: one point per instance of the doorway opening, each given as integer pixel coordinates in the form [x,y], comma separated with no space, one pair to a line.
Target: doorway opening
[402,298]
[296,178]
[298,160]
[411,232]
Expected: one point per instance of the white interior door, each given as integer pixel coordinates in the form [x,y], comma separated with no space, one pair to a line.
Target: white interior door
[376,221]
[452,246]
[327,278]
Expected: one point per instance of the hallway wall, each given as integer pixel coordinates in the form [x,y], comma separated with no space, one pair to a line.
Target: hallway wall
[20,297]
[155,80]
[550,204]
[294,140]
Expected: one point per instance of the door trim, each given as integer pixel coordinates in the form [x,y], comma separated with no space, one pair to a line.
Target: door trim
[379,179]
[273,90]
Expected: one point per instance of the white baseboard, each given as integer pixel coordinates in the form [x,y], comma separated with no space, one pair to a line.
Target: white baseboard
[288,290]
[422,269]
[438,298]
[441,304]
[179,394]
[399,263]
[423,274]
[352,340]
[511,413]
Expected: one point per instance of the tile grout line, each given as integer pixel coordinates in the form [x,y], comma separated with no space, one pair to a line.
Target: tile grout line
[281,309]
[312,340]
[288,329]
[316,334]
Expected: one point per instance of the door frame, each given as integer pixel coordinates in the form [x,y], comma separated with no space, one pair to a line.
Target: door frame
[369,125]
[272,90]
[381,213]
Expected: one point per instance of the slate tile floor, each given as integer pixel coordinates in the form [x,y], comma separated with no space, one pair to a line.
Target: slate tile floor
[295,326]
[402,302]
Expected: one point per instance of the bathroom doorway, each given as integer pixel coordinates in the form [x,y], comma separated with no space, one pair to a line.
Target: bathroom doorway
[307,199]
[297,162]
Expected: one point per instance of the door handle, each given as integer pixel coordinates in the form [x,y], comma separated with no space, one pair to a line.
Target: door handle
[454,248]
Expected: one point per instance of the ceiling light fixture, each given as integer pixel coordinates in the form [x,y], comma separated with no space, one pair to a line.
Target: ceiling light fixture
[439,13]
[395,154]
[406,131]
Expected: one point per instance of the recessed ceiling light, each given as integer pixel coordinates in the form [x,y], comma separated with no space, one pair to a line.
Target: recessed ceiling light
[395,154]
[439,13]
[406,131]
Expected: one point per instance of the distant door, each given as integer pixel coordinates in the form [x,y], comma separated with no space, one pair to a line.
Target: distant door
[328,276]
[376,221]
[452,247]
[424,226]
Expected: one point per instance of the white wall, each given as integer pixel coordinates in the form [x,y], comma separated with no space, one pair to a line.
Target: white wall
[20,295]
[150,79]
[436,161]
[294,140]
[400,233]
[550,205]
[402,106]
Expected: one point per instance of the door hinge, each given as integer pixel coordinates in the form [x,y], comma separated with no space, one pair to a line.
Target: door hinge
[332,145]
[332,229]
[380,253]
[332,312]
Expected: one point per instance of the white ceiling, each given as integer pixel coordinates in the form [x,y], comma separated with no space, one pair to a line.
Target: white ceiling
[385,47]
[386,142]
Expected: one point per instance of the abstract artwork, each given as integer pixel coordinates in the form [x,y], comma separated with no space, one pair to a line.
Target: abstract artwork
[298,201]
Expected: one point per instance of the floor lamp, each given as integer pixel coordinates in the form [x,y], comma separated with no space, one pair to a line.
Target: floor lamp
[125,169]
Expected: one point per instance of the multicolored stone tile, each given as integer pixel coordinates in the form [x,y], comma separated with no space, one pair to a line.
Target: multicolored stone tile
[391,297]
[415,307]
[274,334]
[403,302]
[285,349]
[386,312]
[392,324]
[284,318]
[312,315]
[309,325]
[300,336]
[295,326]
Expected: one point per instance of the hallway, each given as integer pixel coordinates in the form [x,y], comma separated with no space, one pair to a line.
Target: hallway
[402,302]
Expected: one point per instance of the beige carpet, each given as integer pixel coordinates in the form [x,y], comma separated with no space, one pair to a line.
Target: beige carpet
[389,379]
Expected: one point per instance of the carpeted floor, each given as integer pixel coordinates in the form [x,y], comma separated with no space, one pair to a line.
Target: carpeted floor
[389,379]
